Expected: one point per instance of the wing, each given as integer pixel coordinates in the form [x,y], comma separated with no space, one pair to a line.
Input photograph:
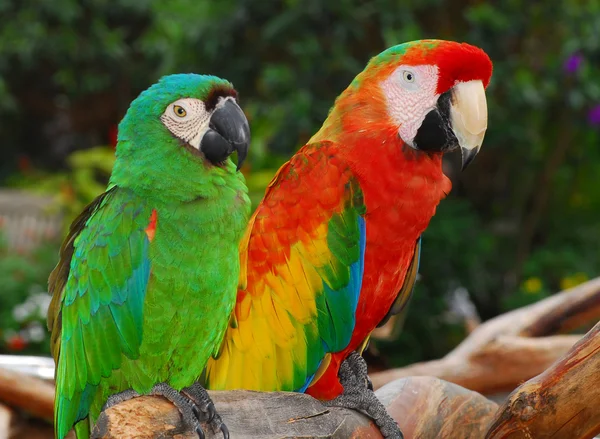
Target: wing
[408,286]
[98,290]
[302,266]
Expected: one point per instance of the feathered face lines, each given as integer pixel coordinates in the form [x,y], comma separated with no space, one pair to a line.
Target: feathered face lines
[439,104]
[216,128]
[410,95]
[187,119]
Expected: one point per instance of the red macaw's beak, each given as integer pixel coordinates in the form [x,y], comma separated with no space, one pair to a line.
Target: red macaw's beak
[468,118]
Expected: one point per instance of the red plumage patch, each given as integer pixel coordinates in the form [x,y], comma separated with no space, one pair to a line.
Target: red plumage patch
[151,229]
[457,62]
[461,63]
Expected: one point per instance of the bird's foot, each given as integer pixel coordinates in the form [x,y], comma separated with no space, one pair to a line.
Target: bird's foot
[205,408]
[193,415]
[358,395]
[117,398]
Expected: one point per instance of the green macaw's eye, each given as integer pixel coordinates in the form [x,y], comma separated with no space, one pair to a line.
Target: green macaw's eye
[179,111]
[408,76]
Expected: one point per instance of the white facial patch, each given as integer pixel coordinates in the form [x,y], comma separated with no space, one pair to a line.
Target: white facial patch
[187,119]
[410,93]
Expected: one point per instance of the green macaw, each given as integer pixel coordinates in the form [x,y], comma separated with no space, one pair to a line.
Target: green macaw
[148,273]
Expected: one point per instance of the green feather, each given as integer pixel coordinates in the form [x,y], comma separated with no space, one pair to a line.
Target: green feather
[128,311]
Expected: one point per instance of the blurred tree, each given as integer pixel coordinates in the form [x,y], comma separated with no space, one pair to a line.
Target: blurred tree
[525,210]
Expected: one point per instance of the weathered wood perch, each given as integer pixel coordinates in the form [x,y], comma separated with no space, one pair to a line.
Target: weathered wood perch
[561,403]
[6,420]
[247,415]
[28,393]
[426,408]
[513,347]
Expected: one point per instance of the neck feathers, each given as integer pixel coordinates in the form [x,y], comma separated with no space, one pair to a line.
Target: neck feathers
[368,141]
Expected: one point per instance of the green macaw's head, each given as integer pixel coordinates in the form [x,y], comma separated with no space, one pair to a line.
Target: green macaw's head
[175,140]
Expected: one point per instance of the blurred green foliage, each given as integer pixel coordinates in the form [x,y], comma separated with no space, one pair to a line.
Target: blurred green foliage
[519,224]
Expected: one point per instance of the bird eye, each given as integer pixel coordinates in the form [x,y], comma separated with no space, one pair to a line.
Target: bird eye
[408,76]
[179,111]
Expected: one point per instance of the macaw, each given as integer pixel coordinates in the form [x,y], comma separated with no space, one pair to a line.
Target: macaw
[333,248]
[148,273]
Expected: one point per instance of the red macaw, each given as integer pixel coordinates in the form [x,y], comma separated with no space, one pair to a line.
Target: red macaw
[333,248]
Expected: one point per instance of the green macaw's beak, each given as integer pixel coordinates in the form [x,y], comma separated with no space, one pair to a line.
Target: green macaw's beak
[468,118]
[228,132]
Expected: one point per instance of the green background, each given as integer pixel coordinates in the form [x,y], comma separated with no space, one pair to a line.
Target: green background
[520,224]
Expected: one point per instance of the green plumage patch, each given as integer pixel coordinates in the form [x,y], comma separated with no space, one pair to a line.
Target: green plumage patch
[342,278]
[102,305]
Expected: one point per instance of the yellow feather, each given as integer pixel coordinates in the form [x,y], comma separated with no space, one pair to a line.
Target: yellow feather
[244,335]
[235,379]
[284,369]
[261,339]
[270,379]
[218,375]
[322,368]
[288,336]
[364,344]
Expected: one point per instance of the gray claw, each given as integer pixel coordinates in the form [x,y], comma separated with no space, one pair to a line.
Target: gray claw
[212,412]
[225,431]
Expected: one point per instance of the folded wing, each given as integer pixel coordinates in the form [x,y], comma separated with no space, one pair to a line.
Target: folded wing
[302,265]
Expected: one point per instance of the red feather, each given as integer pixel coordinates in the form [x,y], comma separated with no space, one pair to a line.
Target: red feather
[402,187]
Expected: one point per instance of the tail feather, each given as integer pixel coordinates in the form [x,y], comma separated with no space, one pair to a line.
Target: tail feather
[69,413]
[82,429]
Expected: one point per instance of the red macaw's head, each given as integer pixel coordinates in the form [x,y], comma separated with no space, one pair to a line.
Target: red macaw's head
[428,93]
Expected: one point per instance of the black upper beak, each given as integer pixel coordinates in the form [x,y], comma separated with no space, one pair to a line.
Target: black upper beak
[228,132]
[435,133]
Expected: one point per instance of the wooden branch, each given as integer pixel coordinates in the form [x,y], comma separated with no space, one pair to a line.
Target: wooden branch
[562,403]
[246,414]
[31,394]
[6,420]
[500,353]
[429,408]
[559,403]
[424,407]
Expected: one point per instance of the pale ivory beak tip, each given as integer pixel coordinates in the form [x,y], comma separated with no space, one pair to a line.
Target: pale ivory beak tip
[468,118]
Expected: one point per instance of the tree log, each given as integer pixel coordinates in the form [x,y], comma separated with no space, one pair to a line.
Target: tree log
[6,420]
[424,407]
[31,394]
[247,415]
[562,403]
[513,347]
[430,408]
